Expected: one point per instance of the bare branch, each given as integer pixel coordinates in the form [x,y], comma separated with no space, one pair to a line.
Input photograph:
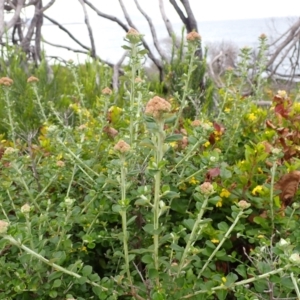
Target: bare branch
[76,51]
[153,31]
[150,54]
[44,8]
[89,28]
[12,22]
[294,31]
[67,32]
[167,22]
[2,26]
[117,67]
[189,21]
[106,16]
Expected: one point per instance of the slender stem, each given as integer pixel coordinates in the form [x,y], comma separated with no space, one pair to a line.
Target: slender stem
[192,235]
[242,282]
[157,182]
[221,243]
[13,241]
[133,63]
[295,285]
[186,88]
[123,214]
[273,172]
[9,114]
[38,100]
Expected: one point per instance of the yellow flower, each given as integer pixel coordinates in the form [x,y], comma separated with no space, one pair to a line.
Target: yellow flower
[225,193]
[173,144]
[219,203]
[215,241]
[257,190]
[224,279]
[251,117]
[259,170]
[83,249]
[193,181]
[206,144]
[261,236]
[227,110]
[182,187]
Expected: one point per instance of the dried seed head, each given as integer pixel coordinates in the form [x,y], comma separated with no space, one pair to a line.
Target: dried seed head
[32,79]
[157,106]
[60,163]
[133,36]
[196,123]
[193,36]
[122,147]
[6,81]
[207,188]
[243,204]
[106,91]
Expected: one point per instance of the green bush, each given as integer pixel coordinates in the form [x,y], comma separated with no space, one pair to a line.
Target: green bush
[131,199]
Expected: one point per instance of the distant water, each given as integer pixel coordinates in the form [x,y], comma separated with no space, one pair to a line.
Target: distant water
[109,36]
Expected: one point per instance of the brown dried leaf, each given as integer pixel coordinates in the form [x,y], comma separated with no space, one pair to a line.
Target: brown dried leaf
[288,185]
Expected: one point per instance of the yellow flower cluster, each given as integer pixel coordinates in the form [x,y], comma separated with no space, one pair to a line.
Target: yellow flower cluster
[193,181]
[258,190]
[224,193]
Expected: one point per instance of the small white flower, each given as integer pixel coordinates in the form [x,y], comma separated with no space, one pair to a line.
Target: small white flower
[283,243]
[295,258]
[25,209]
[69,202]
[3,226]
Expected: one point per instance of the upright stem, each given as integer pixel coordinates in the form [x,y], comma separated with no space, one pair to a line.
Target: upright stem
[192,235]
[123,214]
[157,183]
[221,243]
[9,114]
[133,62]
[273,172]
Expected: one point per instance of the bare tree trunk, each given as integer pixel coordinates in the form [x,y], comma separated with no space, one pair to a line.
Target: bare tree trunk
[189,21]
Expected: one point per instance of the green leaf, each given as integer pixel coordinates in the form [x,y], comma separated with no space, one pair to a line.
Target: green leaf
[126,47]
[131,220]
[241,270]
[221,294]
[53,294]
[87,270]
[56,283]
[177,248]
[116,208]
[149,229]
[223,226]
[147,259]
[152,273]
[141,202]
[189,223]
[173,138]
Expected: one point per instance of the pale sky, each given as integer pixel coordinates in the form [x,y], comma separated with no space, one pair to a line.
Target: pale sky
[107,32]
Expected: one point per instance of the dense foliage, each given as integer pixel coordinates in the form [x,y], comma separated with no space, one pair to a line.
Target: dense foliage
[124,196]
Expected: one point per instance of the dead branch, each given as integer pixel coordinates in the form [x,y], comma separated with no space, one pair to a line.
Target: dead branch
[76,51]
[67,32]
[106,16]
[89,27]
[11,23]
[157,63]
[153,31]
[294,32]
[167,22]
[189,21]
